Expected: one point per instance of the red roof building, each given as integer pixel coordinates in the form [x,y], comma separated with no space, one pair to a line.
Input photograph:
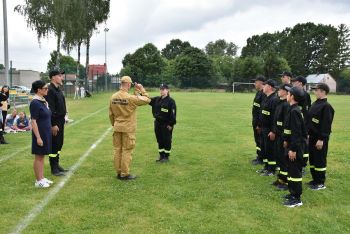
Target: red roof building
[96,70]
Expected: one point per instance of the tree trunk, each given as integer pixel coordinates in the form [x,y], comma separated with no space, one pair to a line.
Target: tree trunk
[78,65]
[58,50]
[87,62]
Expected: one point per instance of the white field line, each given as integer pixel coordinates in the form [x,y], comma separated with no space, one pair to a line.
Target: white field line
[23,224]
[3,159]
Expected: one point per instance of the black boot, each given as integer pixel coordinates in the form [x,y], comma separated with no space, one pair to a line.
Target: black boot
[2,140]
[61,169]
[165,158]
[54,167]
[161,157]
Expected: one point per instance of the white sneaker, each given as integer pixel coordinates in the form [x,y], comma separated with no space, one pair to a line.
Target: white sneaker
[41,184]
[48,181]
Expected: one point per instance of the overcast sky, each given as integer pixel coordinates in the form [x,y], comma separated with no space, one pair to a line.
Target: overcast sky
[132,23]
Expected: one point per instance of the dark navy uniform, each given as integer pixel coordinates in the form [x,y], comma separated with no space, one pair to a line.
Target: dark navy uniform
[256,122]
[164,113]
[268,108]
[304,106]
[57,105]
[320,120]
[280,116]
[295,136]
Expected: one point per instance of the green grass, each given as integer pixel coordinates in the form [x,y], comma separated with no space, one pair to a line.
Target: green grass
[209,185]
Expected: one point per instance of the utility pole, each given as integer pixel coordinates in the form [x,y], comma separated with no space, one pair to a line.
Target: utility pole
[6,48]
[106,30]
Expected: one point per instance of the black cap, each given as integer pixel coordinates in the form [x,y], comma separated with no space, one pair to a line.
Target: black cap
[286,73]
[55,72]
[284,86]
[322,86]
[163,86]
[300,79]
[298,93]
[259,78]
[270,82]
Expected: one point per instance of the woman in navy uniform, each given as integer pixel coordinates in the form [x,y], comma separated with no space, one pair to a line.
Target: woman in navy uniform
[164,112]
[41,134]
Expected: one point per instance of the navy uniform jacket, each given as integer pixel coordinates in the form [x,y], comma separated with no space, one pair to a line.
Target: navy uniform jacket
[294,130]
[320,120]
[281,113]
[256,109]
[268,107]
[164,110]
[305,105]
[57,104]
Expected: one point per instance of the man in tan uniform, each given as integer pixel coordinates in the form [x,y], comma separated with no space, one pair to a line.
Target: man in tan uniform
[122,114]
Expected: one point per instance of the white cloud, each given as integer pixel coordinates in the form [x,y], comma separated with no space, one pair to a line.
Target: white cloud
[133,23]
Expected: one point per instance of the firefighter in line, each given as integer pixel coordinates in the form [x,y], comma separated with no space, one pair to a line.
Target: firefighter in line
[295,135]
[256,117]
[57,104]
[268,107]
[281,113]
[305,105]
[122,115]
[164,113]
[320,116]
[286,77]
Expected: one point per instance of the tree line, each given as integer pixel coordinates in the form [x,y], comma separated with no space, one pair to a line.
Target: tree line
[303,49]
[73,23]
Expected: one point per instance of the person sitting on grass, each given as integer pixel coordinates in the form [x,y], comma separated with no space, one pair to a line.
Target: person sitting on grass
[11,120]
[22,123]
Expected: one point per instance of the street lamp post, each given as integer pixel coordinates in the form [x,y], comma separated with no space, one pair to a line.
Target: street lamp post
[106,30]
[6,48]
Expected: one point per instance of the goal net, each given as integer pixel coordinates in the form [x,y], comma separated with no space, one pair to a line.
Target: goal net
[242,87]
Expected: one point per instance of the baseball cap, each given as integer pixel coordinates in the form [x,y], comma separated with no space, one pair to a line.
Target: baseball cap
[300,79]
[126,79]
[286,73]
[270,82]
[322,86]
[298,93]
[259,78]
[55,72]
[284,86]
[163,86]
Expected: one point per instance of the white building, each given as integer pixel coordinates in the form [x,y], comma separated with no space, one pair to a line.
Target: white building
[20,77]
[321,78]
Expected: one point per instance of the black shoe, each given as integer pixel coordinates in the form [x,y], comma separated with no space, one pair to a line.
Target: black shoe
[118,176]
[267,173]
[257,162]
[261,170]
[129,177]
[164,160]
[159,159]
[293,202]
[282,187]
[61,169]
[3,143]
[311,182]
[317,186]
[58,173]
[276,183]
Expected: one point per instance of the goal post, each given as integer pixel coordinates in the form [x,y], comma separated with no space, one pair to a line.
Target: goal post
[242,86]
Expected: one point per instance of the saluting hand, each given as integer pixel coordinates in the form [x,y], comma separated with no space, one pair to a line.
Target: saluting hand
[272,136]
[319,145]
[169,127]
[55,130]
[292,155]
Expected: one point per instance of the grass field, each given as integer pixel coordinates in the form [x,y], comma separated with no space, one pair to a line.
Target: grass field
[209,186]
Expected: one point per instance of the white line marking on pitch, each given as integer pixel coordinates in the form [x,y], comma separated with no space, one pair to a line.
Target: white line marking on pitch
[53,192]
[3,159]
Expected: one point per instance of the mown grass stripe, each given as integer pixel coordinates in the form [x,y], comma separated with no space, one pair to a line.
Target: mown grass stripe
[38,209]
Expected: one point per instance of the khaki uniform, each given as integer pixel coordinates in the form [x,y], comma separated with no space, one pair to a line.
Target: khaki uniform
[122,114]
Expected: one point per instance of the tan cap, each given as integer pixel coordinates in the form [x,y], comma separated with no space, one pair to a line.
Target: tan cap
[126,79]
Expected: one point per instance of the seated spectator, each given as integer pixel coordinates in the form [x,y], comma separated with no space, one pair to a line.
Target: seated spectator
[22,122]
[11,119]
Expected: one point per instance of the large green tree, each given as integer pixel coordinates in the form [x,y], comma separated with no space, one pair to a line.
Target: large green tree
[174,48]
[220,48]
[194,69]
[144,66]
[67,63]
[274,64]
[344,48]
[247,68]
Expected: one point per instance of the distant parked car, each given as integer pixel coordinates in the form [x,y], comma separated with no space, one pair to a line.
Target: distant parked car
[21,89]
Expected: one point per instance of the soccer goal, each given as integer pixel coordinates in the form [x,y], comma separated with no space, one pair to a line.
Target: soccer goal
[242,87]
